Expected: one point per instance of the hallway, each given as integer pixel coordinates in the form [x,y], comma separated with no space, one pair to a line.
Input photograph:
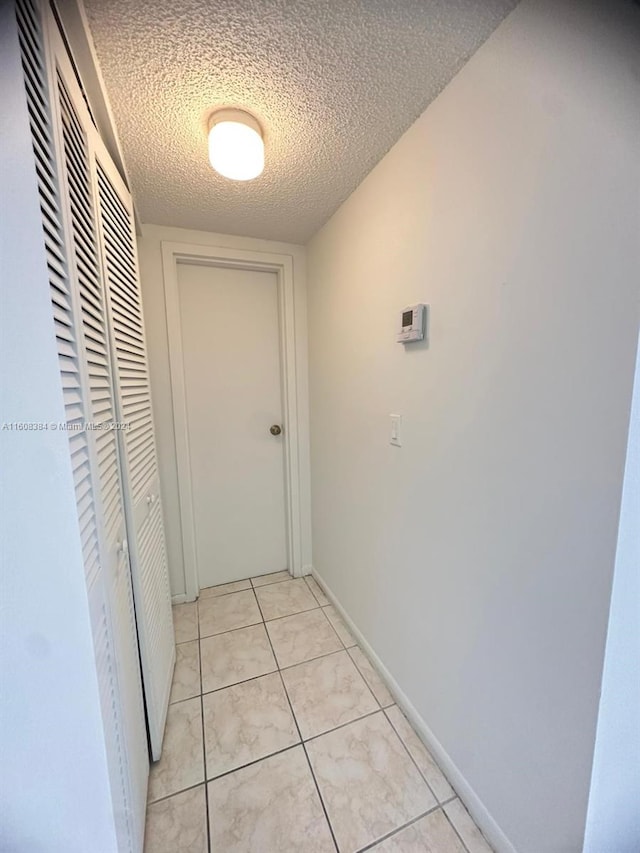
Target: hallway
[300,742]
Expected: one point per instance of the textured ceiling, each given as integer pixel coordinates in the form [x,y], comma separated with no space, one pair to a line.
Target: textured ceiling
[334,84]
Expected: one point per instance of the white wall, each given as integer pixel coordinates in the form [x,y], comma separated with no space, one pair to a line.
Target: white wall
[54,787]
[613,822]
[149,247]
[477,559]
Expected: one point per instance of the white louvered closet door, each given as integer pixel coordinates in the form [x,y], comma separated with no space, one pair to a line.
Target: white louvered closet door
[61,162]
[101,408]
[142,488]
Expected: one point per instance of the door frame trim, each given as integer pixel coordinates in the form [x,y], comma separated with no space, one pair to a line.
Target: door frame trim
[174,253]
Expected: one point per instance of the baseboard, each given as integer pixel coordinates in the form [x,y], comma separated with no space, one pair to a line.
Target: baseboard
[476,808]
[306,570]
[179,599]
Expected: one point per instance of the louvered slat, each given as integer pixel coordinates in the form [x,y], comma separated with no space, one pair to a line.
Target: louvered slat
[128,332]
[153,569]
[32,46]
[92,308]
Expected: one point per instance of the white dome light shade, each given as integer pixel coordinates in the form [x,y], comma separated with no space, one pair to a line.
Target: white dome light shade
[236,149]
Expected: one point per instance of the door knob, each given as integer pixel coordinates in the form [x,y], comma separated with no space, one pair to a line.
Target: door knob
[275,429]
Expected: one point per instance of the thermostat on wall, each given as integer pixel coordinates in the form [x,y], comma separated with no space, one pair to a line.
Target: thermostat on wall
[412,324]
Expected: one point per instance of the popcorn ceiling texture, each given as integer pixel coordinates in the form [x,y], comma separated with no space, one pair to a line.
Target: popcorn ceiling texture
[334,84]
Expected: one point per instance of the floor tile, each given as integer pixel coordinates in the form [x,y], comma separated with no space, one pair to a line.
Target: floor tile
[274,577]
[326,693]
[227,612]
[431,834]
[224,589]
[466,828]
[421,755]
[235,656]
[370,786]
[185,622]
[285,599]
[182,762]
[302,637]
[340,628]
[246,722]
[178,824]
[267,807]
[186,675]
[319,595]
[368,672]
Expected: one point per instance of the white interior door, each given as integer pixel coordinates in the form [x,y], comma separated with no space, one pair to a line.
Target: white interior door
[231,358]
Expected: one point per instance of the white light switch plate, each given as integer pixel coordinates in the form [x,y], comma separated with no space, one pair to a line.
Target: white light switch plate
[396,430]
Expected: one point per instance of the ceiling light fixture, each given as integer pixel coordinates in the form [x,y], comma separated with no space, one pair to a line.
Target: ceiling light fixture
[236,148]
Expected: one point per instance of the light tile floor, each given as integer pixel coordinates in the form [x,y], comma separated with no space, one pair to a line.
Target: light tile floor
[282,738]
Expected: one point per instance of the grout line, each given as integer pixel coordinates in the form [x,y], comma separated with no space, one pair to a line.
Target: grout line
[230,631]
[366,683]
[186,699]
[341,620]
[202,597]
[310,588]
[220,633]
[452,825]
[455,829]
[204,743]
[407,750]
[364,678]
[232,591]
[258,603]
[343,725]
[251,763]
[309,660]
[322,609]
[397,830]
[175,793]
[295,720]
[322,803]
[184,642]
[328,655]
[254,677]
[236,683]
[295,613]
[306,755]
[271,583]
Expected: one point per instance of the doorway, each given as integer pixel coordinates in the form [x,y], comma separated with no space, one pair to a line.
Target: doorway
[233,321]
[232,375]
